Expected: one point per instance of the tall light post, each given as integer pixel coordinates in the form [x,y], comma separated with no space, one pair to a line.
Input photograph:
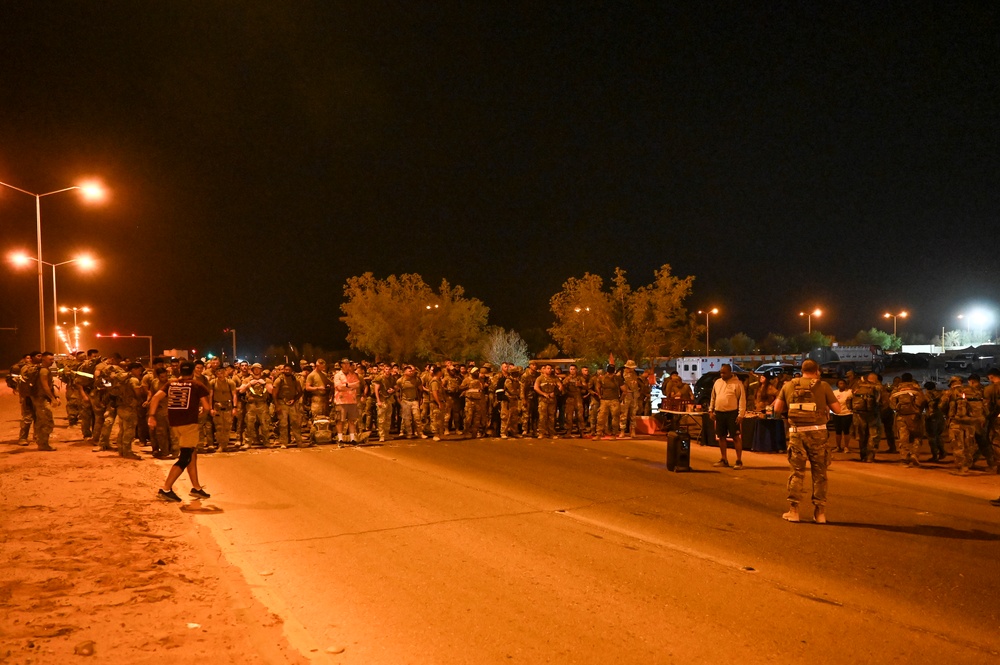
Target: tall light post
[91,192]
[233,331]
[76,328]
[133,335]
[901,315]
[809,318]
[86,263]
[714,310]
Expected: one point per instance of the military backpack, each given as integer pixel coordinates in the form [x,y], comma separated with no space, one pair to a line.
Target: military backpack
[29,380]
[864,399]
[802,407]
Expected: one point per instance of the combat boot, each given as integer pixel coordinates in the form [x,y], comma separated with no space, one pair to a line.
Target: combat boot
[819,515]
[793,513]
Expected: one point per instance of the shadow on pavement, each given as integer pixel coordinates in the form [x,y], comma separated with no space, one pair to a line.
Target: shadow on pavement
[924,530]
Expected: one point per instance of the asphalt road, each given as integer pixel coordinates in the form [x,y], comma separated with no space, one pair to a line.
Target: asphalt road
[579,551]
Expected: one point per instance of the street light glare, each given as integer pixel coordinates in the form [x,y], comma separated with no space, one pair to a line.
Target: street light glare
[86,262]
[20,259]
[92,191]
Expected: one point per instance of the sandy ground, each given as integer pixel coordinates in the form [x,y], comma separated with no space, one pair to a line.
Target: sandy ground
[91,561]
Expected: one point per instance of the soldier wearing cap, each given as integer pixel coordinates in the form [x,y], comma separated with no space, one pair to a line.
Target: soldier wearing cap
[287,394]
[474,391]
[964,406]
[631,398]
[510,403]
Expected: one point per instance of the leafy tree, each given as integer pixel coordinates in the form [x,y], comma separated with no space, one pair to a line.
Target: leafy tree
[403,319]
[504,346]
[742,344]
[775,344]
[876,337]
[630,323]
[805,342]
[952,339]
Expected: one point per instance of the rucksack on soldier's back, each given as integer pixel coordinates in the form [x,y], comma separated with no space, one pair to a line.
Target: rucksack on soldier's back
[802,407]
[864,399]
[906,403]
[29,380]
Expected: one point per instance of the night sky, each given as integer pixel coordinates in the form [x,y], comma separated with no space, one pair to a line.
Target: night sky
[789,155]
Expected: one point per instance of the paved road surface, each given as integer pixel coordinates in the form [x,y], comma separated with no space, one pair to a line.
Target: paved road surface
[578,551]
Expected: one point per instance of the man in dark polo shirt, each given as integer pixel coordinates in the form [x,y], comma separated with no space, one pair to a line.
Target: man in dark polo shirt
[185,399]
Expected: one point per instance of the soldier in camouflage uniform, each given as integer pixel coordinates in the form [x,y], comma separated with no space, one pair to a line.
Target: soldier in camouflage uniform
[409,389]
[529,401]
[966,417]
[474,391]
[573,387]
[510,403]
[126,411]
[546,389]
[23,390]
[256,389]
[74,397]
[991,399]
[224,397]
[865,405]
[908,401]
[453,390]
[436,396]
[384,398]
[287,394]
[808,401]
[609,386]
[631,399]
[43,392]
[934,421]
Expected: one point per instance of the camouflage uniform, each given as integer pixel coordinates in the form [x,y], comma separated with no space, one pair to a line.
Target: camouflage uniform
[383,403]
[529,403]
[436,387]
[256,390]
[573,388]
[865,405]
[934,424]
[223,398]
[127,416]
[288,405]
[631,398]
[510,406]
[546,388]
[474,390]
[908,401]
[991,399]
[44,423]
[27,406]
[965,420]
[610,390]
[807,436]
[408,389]
[74,399]
[452,409]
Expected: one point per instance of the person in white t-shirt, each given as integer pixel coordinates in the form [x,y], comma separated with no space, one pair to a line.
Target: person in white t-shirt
[842,421]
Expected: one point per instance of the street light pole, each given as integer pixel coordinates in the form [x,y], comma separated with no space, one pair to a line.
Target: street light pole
[809,319]
[887,315]
[85,262]
[233,331]
[714,310]
[90,191]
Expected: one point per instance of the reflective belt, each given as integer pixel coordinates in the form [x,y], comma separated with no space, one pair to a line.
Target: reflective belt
[807,428]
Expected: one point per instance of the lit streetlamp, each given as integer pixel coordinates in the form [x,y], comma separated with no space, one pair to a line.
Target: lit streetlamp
[133,335]
[809,318]
[85,261]
[714,310]
[90,192]
[75,346]
[901,315]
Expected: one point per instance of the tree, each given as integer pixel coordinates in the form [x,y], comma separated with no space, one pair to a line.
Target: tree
[775,344]
[876,337]
[742,344]
[630,323]
[504,346]
[403,319]
[806,342]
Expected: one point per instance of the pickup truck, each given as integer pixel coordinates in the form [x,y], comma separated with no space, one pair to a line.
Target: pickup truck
[967,362]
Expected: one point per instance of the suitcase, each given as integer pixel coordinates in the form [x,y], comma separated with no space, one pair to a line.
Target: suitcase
[678,450]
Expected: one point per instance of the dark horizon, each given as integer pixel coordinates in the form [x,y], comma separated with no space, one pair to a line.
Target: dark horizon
[787,156]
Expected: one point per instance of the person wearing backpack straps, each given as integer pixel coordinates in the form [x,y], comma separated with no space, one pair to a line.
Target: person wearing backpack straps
[965,419]
[22,389]
[991,397]
[42,393]
[808,402]
[865,405]
[908,402]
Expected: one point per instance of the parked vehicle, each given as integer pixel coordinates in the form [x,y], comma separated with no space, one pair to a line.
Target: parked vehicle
[773,370]
[703,387]
[967,362]
[691,369]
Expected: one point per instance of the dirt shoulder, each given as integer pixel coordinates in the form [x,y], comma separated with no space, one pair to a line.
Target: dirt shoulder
[88,555]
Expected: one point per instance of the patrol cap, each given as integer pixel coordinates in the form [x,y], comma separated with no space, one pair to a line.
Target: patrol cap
[256,366]
[630,364]
[473,370]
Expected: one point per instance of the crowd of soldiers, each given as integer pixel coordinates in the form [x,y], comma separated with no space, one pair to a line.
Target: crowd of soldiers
[303,405]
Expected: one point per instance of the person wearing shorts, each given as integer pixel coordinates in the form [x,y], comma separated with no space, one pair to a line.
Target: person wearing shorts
[185,400]
[727,407]
[345,397]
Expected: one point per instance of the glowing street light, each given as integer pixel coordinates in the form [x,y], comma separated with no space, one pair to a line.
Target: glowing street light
[91,191]
[901,315]
[714,310]
[85,262]
[75,346]
[809,317]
